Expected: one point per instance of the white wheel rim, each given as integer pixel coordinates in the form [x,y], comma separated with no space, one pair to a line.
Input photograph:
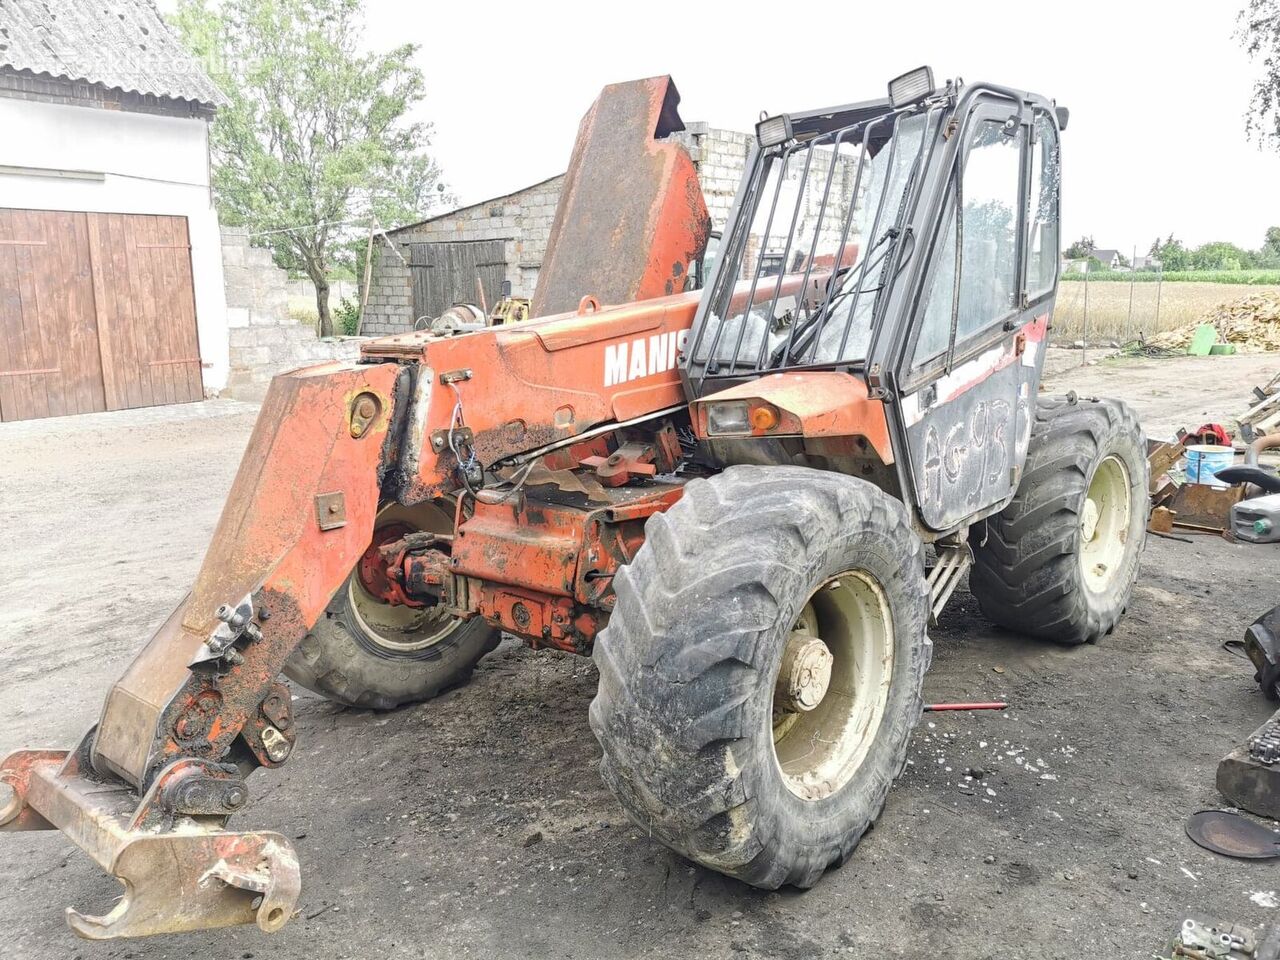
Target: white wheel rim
[394,627]
[818,751]
[1104,524]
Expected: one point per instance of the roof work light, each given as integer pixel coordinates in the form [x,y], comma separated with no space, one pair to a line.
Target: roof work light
[771,131]
[912,86]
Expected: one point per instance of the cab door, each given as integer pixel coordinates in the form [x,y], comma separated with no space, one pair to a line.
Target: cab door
[972,358]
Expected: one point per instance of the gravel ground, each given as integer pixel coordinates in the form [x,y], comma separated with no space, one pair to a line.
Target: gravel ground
[477,825]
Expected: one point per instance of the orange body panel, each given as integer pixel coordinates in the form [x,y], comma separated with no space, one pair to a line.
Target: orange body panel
[823,403]
[268,544]
[631,216]
[545,380]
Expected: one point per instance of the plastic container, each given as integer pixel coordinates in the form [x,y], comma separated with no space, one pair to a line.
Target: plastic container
[1257,520]
[1204,460]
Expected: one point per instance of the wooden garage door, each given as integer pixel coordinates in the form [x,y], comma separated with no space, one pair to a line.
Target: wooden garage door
[446,273]
[97,312]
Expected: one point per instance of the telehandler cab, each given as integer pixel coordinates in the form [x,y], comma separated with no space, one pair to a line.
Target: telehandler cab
[746,503]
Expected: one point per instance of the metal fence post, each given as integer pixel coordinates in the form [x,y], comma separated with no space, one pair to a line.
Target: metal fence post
[1133,272]
[1084,336]
[1159,283]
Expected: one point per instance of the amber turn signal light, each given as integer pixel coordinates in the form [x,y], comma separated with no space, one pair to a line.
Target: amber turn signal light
[764,418]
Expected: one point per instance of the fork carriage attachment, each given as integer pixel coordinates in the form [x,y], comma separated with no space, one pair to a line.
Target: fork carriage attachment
[179,872]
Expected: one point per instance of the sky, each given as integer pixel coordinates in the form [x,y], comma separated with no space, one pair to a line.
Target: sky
[1157,91]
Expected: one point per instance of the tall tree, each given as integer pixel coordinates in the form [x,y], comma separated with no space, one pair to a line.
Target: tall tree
[318,132]
[1081,249]
[1259,30]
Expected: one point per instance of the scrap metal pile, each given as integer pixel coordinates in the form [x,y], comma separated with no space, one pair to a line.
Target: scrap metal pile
[1251,323]
[1197,486]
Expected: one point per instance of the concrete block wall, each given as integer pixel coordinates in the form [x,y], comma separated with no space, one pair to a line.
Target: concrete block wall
[523,220]
[263,339]
[721,158]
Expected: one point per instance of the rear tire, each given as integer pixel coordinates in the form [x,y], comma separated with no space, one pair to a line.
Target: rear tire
[696,748]
[367,653]
[1060,561]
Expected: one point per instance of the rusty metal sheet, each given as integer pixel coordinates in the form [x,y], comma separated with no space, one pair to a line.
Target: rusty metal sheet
[631,216]
[1199,506]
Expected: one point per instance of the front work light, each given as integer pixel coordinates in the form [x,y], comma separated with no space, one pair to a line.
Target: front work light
[727,418]
[912,86]
[772,131]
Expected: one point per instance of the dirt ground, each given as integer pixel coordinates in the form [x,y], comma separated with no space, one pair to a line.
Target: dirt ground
[477,826]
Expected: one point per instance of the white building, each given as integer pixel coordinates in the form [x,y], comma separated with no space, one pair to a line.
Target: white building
[111,283]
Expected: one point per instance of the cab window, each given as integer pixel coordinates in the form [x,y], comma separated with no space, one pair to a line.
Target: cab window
[1042,208]
[987,210]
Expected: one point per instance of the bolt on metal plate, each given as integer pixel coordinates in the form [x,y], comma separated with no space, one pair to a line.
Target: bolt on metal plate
[331,510]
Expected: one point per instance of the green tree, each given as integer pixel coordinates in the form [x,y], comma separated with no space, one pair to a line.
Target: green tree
[1220,255]
[317,133]
[1172,254]
[1269,255]
[1259,31]
[1081,249]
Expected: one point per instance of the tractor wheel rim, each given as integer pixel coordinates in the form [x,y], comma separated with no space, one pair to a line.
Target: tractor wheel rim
[1104,524]
[396,628]
[819,749]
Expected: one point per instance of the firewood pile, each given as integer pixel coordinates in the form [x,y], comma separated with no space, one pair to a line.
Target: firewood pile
[1252,323]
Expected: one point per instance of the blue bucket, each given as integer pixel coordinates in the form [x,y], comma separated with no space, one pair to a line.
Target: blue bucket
[1204,460]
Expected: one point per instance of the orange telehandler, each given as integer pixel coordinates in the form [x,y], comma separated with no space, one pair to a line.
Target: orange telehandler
[747,503]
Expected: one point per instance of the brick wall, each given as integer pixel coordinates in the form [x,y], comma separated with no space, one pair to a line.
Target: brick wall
[523,220]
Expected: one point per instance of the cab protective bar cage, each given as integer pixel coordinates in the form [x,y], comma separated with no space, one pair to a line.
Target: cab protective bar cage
[865,128]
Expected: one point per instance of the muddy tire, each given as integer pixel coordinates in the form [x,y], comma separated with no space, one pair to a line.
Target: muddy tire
[696,746]
[1060,561]
[366,653]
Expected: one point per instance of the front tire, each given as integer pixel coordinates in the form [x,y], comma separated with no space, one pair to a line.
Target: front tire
[1060,561]
[367,653]
[700,746]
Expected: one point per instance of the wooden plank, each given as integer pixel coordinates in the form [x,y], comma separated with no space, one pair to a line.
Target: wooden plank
[71,332]
[166,277]
[166,319]
[133,281]
[33,358]
[10,319]
[103,308]
[125,345]
[53,322]
[187,325]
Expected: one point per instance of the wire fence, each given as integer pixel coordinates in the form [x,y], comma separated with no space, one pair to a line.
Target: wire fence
[1117,312]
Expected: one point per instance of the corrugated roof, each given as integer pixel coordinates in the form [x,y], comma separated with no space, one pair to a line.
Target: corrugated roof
[120,44]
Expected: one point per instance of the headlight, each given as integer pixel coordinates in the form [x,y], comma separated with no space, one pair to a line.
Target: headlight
[727,418]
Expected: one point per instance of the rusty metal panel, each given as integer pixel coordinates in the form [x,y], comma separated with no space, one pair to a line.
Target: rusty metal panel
[268,544]
[631,216]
